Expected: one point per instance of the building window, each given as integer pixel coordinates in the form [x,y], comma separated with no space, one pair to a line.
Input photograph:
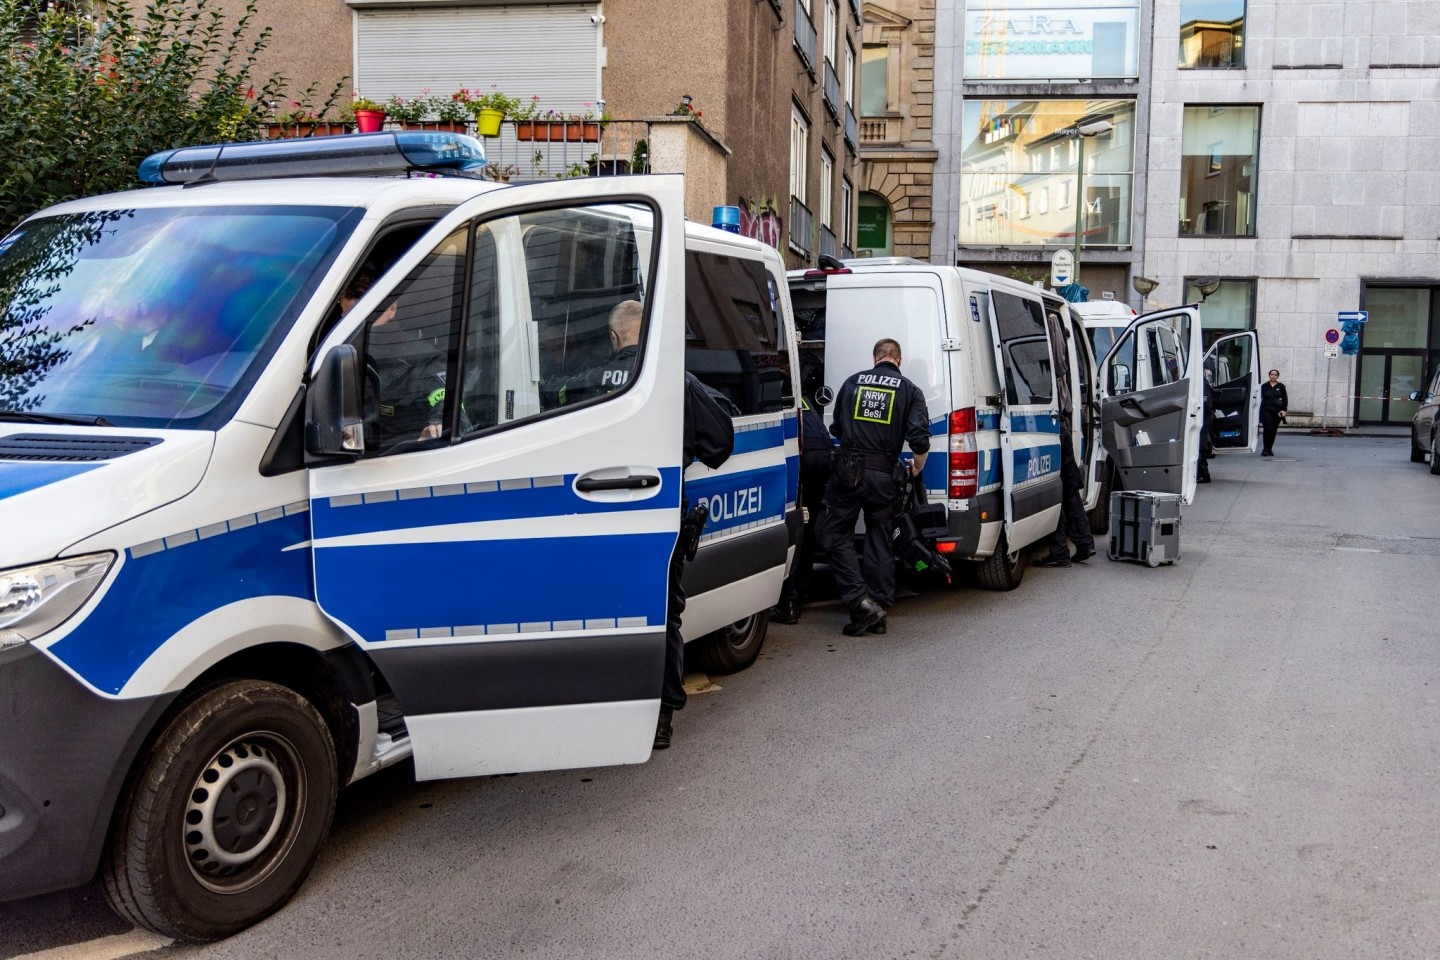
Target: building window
[1228,310]
[734,343]
[1049,39]
[832,32]
[1212,34]
[874,80]
[849,75]
[1217,171]
[827,186]
[799,155]
[847,202]
[872,226]
[1016,149]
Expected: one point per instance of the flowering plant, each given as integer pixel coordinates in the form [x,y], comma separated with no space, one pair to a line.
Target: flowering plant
[454,108]
[360,103]
[495,100]
[526,109]
[296,114]
[407,111]
[686,108]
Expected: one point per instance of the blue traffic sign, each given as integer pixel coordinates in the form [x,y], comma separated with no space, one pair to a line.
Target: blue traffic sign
[1358,316]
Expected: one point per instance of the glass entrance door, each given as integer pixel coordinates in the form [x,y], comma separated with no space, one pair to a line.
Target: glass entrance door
[1403,332]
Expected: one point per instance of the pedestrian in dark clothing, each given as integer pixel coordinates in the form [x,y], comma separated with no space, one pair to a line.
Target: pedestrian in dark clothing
[815,454]
[709,438]
[1274,405]
[1074,525]
[877,412]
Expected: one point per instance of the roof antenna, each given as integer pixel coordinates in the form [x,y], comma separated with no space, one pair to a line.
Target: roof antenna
[209,175]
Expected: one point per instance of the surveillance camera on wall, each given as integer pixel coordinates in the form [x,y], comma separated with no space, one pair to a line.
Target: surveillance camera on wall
[597,18]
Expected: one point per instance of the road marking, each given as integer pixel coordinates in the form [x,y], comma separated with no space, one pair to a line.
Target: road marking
[1359,549]
[106,948]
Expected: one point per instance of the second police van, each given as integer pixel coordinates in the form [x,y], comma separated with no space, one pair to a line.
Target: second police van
[309,475]
[985,350]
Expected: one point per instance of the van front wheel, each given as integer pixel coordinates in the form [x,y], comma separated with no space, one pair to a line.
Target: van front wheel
[1004,569]
[225,816]
[733,648]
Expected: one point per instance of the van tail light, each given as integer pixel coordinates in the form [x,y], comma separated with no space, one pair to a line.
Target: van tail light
[964,456]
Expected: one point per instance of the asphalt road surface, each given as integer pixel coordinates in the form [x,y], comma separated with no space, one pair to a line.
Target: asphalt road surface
[1237,756]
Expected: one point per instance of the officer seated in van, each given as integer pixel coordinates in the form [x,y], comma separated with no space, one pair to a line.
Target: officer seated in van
[607,377]
[404,371]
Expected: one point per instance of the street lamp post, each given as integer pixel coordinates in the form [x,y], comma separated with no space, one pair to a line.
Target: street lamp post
[1082,132]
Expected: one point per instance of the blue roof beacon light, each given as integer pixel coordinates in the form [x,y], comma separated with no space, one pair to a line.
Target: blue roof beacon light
[351,154]
[726,218]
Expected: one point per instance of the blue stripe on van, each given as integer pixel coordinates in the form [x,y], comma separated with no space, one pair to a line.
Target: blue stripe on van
[1032,463]
[739,500]
[748,441]
[987,419]
[1034,423]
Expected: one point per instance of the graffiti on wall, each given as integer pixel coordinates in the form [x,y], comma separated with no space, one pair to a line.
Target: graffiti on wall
[761,221]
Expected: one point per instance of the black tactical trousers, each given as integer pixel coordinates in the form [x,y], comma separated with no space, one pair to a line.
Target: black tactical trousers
[1074,525]
[672,686]
[814,477]
[875,577]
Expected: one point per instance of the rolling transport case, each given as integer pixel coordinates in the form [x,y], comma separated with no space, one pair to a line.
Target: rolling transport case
[1145,526]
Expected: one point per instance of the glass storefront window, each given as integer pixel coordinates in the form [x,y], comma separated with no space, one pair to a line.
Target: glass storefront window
[1051,39]
[1212,34]
[1228,310]
[874,79]
[872,226]
[1217,171]
[1019,168]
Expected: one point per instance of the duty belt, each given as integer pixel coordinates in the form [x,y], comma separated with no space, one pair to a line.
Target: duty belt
[873,461]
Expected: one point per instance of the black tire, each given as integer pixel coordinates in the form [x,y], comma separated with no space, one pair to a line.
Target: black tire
[1100,517]
[1004,570]
[1435,453]
[193,862]
[733,648]
[1417,452]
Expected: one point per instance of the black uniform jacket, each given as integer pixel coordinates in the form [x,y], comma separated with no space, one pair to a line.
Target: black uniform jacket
[879,411]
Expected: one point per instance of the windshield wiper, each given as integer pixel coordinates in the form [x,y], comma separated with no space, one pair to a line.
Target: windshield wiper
[24,416]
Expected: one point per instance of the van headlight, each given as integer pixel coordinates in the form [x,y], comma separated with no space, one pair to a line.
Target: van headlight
[35,600]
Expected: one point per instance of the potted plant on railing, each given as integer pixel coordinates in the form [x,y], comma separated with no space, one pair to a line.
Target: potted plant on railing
[452,113]
[686,108]
[299,122]
[410,114]
[524,116]
[369,115]
[490,110]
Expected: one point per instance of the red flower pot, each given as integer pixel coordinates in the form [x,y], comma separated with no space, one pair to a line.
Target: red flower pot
[369,121]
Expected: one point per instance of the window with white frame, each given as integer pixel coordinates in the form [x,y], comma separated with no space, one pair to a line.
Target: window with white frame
[832,32]
[849,78]
[827,186]
[847,209]
[799,154]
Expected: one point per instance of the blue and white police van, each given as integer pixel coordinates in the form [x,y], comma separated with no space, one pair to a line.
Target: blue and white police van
[986,351]
[305,473]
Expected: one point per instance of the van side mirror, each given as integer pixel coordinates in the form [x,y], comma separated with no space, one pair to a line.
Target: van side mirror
[1119,378]
[334,421]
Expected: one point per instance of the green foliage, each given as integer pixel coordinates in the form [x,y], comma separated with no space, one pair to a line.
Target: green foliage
[87,97]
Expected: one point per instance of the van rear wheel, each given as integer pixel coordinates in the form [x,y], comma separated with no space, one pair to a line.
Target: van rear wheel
[1004,569]
[225,816]
[732,648]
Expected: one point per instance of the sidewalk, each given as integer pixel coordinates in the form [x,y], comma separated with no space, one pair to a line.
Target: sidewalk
[1394,432]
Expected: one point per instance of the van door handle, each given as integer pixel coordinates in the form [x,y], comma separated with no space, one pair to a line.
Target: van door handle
[1132,402]
[632,482]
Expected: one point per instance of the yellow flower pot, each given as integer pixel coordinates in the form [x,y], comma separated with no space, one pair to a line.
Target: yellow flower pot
[487,122]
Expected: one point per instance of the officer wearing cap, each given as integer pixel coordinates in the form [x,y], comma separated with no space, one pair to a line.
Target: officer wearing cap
[877,412]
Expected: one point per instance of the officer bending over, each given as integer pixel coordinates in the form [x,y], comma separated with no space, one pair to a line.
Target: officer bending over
[877,412]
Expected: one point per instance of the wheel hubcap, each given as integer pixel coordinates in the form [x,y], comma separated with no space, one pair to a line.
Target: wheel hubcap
[739,632]
[237,811]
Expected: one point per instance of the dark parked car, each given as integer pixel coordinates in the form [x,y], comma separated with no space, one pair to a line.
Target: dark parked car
[1424,441]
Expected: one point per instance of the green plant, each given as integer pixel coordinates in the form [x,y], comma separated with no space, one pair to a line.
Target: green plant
[640,157]
[686,108]
[360,103]
[574,170]
[407,111]
[493,171]
[87,98]
[495,100]
[454,108]
[526,109]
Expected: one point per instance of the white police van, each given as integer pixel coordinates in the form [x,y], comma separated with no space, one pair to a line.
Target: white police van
[984,351]
[257,548]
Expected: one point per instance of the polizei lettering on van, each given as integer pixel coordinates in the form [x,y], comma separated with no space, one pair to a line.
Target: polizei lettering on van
[735,504]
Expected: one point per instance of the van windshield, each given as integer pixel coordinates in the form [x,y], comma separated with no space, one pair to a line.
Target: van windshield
[1102,339]
[154,317]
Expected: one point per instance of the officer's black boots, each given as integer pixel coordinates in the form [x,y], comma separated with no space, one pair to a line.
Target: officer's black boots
[867,616]
[786,612]
[663,730]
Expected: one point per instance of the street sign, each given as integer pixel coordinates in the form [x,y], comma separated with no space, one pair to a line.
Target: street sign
[1332,351]
[1332,335]
[1062,268]
[1358,316]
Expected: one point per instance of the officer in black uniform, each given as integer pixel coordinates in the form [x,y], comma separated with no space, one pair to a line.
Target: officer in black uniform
[709,438]
[877,412]
[815,454]
[610,376]
[1074,526]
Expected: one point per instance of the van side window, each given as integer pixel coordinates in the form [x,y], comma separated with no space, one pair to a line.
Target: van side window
[1029,378]
[1120,374]
[407,343]
[734,342]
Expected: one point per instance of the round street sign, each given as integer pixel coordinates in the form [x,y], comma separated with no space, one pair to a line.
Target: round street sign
[1332,335]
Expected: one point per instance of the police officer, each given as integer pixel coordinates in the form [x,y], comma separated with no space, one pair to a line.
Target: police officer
[709,438]
[1074,526]
[614,373]
[815,453]
[877,412]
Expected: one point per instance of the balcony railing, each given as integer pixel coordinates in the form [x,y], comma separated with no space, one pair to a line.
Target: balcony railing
[804,36]
[852,129]
[879,130]
[832,91]
[827,242]
[847,252]
[802,225]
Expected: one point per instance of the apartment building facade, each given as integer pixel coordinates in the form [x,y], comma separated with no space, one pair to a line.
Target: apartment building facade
[772,83]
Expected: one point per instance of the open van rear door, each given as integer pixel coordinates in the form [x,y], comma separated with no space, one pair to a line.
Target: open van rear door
[1232,365]
[1151,414]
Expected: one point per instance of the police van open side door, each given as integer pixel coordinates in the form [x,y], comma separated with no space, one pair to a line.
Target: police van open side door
[1029,418]
[1232,365]
[501,548]
[1151,414]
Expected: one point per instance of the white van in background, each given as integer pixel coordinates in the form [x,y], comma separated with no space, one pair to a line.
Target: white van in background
[1104,321]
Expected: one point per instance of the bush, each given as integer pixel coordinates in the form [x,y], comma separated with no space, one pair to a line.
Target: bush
[88,97]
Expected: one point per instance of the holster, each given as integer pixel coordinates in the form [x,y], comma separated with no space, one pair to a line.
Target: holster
[692,522]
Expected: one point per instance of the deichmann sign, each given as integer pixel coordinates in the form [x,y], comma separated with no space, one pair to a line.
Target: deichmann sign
[1035,40]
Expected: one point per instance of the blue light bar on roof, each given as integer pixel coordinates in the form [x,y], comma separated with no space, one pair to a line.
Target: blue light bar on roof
[353,154]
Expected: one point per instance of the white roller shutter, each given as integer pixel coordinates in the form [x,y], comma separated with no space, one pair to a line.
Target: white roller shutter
[552,50]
